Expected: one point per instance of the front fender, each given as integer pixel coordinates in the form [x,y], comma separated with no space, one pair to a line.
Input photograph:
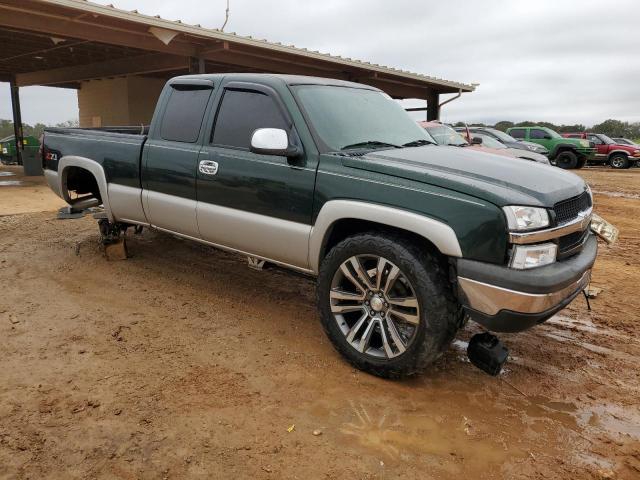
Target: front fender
[437,232]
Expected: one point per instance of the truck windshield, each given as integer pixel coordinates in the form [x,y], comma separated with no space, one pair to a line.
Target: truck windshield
[606,139]
[553,133]
[345,118]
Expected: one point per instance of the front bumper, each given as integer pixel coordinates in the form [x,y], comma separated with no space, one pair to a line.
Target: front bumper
[507,300]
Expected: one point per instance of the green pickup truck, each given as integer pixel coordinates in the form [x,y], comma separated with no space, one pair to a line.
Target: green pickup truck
[563,152]
[333,179]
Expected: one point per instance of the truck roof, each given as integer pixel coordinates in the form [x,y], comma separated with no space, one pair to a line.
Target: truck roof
[287,79]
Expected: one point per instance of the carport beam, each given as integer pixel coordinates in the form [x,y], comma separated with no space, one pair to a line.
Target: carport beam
[433,106]
[17,118]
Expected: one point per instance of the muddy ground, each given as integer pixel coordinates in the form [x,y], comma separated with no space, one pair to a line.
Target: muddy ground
[181,362]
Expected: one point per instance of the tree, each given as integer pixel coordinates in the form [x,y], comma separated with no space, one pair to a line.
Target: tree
[6,127]
[616,128]
[504,125]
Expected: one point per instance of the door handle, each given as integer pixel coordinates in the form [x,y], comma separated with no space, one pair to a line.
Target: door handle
[208,167]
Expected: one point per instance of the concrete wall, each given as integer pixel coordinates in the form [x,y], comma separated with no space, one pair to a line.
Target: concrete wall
[118,101]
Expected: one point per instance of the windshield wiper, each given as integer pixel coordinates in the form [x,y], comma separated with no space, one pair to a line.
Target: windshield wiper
[417,143]
[370,143]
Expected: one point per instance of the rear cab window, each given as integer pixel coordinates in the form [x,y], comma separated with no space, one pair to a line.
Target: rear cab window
[537,134]
[184,113]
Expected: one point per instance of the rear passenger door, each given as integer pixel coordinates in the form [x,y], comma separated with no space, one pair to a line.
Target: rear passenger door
[253,203]
[170,159]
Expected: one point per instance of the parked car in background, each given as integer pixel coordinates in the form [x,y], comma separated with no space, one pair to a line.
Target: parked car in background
[625,141]
[563,152]
[608,151]
[506,139]
[446,135]
[490,142]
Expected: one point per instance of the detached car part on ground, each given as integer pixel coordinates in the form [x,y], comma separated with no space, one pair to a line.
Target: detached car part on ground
[609,152]
[335,180]
[567,153]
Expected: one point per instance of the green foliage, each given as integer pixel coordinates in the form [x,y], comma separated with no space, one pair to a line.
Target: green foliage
[6,127]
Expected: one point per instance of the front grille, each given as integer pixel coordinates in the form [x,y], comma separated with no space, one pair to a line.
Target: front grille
[567,210]
[571,244]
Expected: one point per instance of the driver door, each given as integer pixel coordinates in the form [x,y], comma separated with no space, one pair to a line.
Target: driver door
[257,204]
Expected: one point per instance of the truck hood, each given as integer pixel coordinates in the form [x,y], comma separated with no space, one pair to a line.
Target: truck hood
[496,179]
[626,148]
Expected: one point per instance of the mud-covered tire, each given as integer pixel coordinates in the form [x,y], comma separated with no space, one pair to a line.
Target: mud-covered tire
[440,315]
[567,160]
[619,161]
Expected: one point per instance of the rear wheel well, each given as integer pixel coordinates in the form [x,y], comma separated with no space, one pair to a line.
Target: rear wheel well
[81,181]
[566,148]
[347,227]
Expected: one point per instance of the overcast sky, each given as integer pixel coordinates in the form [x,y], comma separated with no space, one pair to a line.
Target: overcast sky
[565,61]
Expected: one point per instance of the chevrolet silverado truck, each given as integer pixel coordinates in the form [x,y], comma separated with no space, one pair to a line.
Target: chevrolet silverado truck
[335,180]
[608,151]
[565,153]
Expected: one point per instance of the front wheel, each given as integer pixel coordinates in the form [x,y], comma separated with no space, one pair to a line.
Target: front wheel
[567,160]
[619,161]
[386,305]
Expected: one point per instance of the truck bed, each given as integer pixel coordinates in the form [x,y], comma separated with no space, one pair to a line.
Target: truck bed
[117,149]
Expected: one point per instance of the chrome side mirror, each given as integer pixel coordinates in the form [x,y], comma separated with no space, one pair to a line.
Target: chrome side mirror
[273,141]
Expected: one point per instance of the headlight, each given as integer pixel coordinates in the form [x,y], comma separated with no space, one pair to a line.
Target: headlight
[532,256]
[526,218]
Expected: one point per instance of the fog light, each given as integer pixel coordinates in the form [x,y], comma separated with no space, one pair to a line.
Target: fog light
[532,256]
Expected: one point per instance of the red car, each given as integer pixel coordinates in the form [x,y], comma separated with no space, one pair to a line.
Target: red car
[608,151]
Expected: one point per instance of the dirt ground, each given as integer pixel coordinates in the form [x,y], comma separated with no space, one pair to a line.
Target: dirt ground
[181,362]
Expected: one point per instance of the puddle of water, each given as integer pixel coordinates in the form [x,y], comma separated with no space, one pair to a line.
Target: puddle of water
[456,428]
[614,419]
[7,174]
[10,183]
[567,337]
[616,194]
[586,325]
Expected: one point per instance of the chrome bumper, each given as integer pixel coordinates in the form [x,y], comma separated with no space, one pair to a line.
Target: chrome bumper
[489,299]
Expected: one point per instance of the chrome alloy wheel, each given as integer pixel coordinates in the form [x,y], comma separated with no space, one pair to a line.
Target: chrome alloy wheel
[375,306]
[617,162]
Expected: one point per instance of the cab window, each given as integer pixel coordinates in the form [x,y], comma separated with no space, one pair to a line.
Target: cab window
[183,115]
[517,133]
[537,134]
[241,113]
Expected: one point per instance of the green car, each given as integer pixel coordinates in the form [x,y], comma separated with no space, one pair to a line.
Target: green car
[563,152]
[8,152]
[333,179]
